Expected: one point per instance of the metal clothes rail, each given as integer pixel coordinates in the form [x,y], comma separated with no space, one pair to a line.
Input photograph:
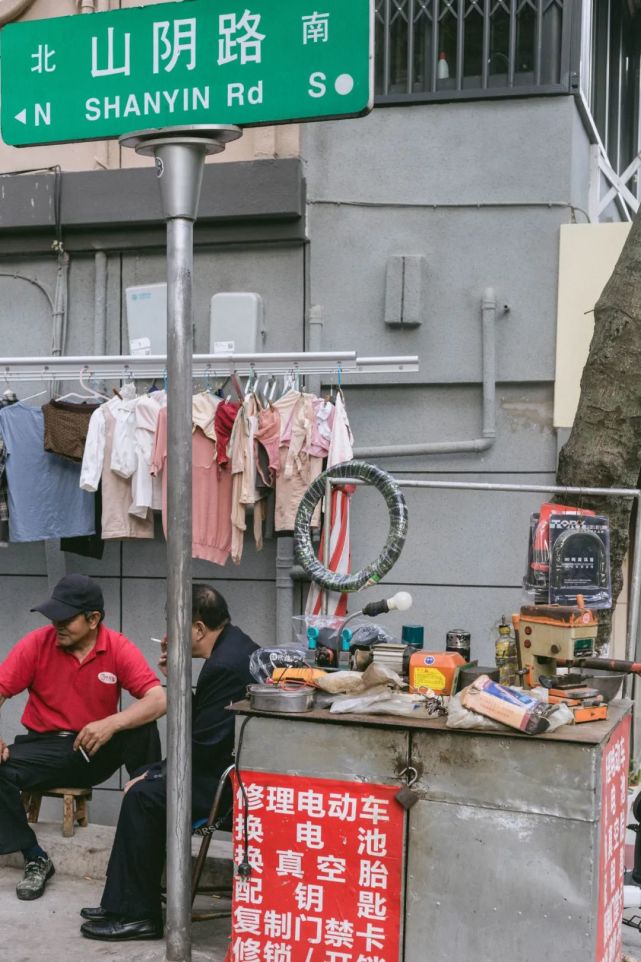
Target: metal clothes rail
[132,367]
[632,647]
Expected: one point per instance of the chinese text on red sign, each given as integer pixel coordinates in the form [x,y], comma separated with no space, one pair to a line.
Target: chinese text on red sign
[326,879]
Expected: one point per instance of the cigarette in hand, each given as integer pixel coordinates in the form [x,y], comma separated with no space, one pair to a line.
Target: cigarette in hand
[83,753]
[157,640]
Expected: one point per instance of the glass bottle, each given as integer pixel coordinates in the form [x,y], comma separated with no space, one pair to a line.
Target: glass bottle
[505,653]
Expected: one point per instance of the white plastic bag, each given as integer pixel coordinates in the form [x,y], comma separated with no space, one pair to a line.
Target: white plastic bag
[359,703]
[460,717]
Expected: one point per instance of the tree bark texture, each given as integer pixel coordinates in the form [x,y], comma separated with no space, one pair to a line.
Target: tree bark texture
[604,447]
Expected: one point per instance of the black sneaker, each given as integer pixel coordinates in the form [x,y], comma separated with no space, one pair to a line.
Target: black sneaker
[36,873]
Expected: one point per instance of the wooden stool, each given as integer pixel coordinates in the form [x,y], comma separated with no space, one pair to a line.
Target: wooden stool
[74,806]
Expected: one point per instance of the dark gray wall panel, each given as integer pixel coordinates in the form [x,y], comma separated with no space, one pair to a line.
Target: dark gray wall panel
[444,153]
[513,251]
[525,437]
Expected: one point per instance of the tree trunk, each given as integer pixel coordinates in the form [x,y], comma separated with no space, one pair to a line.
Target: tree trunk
[604,447]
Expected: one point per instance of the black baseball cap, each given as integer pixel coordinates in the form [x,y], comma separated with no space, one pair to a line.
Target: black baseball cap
[72,594]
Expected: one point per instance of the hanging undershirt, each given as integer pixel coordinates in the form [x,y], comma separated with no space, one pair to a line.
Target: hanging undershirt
[267,438]
[223,424]
[211,494]
[96,468]
[146,489]
[45,501]
[243,468]
[297,468]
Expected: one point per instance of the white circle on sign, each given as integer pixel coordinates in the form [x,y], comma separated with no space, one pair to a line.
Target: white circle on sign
[344,84]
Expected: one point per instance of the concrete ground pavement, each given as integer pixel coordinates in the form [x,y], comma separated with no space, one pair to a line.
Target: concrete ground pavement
[631,940]
[48,930]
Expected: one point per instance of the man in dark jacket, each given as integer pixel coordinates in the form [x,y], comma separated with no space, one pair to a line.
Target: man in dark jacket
[131,907]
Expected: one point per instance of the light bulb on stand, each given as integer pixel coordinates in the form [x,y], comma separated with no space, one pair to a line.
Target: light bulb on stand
[401,601]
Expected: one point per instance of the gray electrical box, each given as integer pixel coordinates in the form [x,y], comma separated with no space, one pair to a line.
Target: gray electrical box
[236,323]
[147,319]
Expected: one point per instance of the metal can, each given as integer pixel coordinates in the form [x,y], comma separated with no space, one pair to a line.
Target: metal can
[459,641]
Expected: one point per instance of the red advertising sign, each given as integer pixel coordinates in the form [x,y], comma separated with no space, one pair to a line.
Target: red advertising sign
[614,805]
[326,879]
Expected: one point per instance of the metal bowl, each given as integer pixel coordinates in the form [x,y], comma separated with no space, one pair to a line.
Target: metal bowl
[274,698]
[607,682]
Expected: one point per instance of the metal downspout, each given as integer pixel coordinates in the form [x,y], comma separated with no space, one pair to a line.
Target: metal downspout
[55,559]
[100,304]
[488,319]
[284,589]
[60,298]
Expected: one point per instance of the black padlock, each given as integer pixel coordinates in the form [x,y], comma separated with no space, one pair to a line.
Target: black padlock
[405,796]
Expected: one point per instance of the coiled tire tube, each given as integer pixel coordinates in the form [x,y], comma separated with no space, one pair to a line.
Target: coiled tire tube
[396,505]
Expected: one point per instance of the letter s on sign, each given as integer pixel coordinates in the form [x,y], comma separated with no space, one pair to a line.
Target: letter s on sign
[317,85]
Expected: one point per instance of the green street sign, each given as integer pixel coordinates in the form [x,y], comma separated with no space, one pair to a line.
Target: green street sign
[244,62]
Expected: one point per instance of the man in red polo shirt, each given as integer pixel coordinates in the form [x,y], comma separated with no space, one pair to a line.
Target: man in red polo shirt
[74,670]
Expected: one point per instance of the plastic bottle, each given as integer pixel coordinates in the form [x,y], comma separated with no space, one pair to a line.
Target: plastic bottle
[343,652]
[505,652]
[443,68]
[312,644]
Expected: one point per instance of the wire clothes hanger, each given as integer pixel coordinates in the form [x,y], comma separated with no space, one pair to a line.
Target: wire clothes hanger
[89,395]
[32,396]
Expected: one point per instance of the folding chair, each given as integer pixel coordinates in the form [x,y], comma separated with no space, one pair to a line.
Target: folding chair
[205,827]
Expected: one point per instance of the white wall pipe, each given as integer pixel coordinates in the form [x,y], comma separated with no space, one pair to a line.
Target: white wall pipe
[100,303]
[488,321]
[59,318]
[315,344]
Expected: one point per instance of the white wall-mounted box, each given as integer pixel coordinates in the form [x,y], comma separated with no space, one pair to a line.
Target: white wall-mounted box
[147,319]
[236,323]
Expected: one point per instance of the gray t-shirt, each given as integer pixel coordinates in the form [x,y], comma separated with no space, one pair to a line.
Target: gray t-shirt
[45,499]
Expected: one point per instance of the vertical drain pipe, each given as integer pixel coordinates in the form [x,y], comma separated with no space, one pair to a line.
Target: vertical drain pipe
[284,589]
[477,445]
[100,304]
[488,315]
[55,559]
[60,297]
[315,341]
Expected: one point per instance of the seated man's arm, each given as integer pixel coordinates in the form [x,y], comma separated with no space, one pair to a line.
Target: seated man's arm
[16,674]
[136,677]
[151,706]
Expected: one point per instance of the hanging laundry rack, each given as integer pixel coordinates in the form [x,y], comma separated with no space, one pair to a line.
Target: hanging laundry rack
[132,367]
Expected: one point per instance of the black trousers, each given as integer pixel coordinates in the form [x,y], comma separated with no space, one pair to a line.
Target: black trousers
[137,859]
[41,761]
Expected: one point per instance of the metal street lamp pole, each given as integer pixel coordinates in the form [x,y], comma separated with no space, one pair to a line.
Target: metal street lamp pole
[180,155]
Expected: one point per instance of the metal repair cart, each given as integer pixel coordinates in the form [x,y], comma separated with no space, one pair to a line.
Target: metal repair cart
[395,839]
[503,854]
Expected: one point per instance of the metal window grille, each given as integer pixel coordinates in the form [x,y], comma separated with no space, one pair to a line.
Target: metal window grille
[430,50]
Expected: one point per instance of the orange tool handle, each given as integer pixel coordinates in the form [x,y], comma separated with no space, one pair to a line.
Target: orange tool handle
[605,664]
